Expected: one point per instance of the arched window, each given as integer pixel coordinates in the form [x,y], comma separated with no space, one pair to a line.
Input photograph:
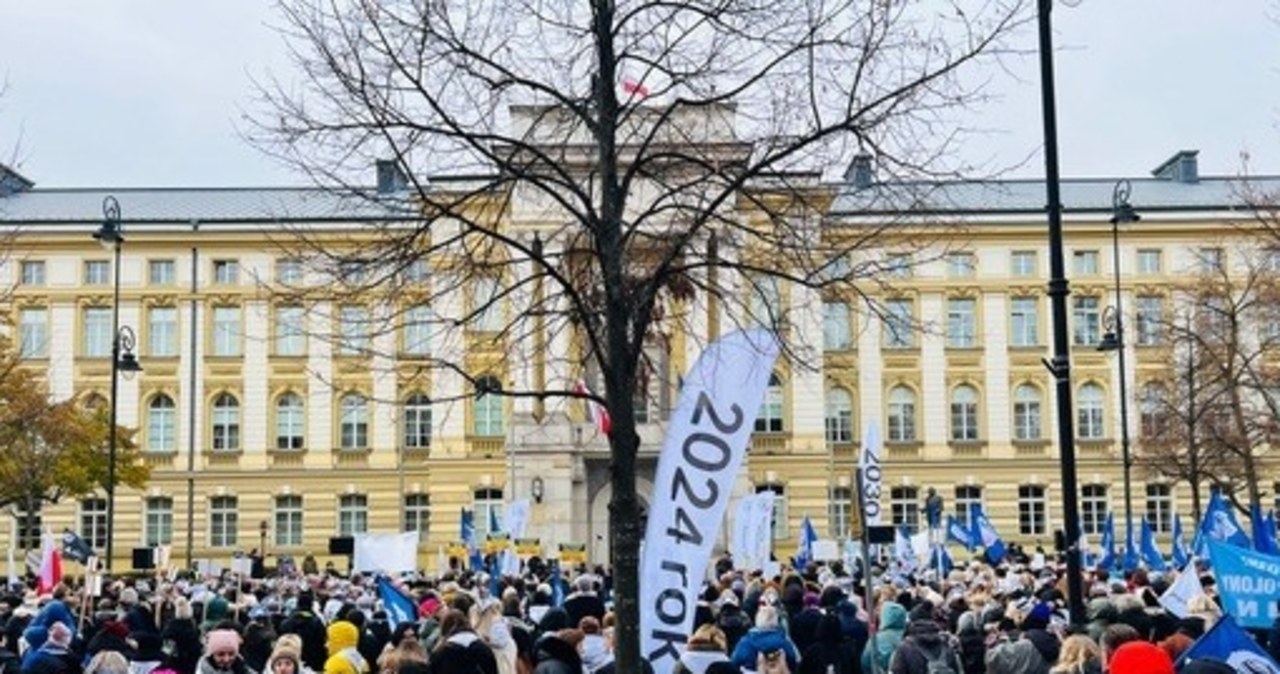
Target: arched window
[902,415]
[226,422]
[770,418]
[290,421]
[487,410]
[417,422]
[964,413]
[1089,413]
[354,429]
[162,422]
[1026,413]
[839,416]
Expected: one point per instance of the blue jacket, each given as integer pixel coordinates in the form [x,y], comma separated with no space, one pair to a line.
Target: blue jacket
[889,633]
[757,641]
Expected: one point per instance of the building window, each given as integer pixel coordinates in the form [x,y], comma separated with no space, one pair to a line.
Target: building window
[1087,321]
[1084,262]
[1149,261]
[1160,507]
[902,415]
[487,506]
[1022,263]
[291,338]
[487,409]
[30,525]
[162,425]
[226,331]
[226,272]
[97,273]
[898,322]
[226,423]
[839,500]
[904,504]
[1032,510]
[288,518]
[288,271]
[1149,315]
[837,329]
[417,330]
[354,272]
[898,265]
[778,519]
[353,330]
[417,514]
[33,333]
[354,424]
[1024,321]
[290,421]
[770,418]
[967,496]
[1026,413]
[31,273]
[415,273]
[1093,508]
[353,514]
[964,414]
[162,273]
[93,522]
[1152,410]
[839,416]
[162,331]
[159,521]
[1211,260]
[1089,413]
[961,265]
[962,323]
[489,308]
[97,332]
[224,521]
[417,422]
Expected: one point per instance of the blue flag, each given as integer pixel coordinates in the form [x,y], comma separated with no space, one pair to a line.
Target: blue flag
[1219,524]
[1150,553]
[804,546]
[495,578]
[1130,549]
[474,560]
[1226,642]
[985,534]
[493,521]
[958,532]
[941,560]
[1107,557]
[1264,539]
[1246,581]
[1180,554]
[399,608]
[557,584]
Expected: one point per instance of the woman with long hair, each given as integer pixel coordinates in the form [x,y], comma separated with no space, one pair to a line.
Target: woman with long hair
[1079,655]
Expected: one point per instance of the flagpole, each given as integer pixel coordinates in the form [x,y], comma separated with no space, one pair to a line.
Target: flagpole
[865,537]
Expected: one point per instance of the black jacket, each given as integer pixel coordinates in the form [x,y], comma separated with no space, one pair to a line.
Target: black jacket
[181,640]
[464,653]
[308,627]
[831,648]
[579,606]
[553,655]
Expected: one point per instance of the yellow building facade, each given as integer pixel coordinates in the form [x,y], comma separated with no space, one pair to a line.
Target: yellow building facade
[265,423]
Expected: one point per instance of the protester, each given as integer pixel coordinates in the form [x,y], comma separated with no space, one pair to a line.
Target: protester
[705,647]
[1078,655]
[222,654]
[461,650]
[344,656]
[767,637]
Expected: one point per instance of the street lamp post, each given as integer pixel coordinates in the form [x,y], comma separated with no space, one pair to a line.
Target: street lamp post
[123,360]
[1113,321]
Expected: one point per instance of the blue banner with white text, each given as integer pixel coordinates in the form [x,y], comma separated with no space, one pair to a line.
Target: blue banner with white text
[1248,581]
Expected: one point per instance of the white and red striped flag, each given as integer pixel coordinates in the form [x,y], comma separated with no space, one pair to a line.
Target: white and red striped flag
[50,566]
[634,88]
[596,412]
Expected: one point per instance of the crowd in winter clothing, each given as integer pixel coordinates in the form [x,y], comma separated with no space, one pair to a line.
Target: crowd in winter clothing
[977,619]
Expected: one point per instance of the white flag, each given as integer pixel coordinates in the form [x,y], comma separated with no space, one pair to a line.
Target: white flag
[1183,590]
[385,553]
[872,475]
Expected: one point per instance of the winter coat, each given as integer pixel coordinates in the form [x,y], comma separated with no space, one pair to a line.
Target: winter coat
[344,657]
[973,650]
[579,606]
[51,659]
[889,633]
[308,627]
[831,648]
[1034,653]
[595,653]
[206,666]
[553,655]
[925,641]
[760,641]
[734,623]
[464,653]
[10,663]
[182,642]
[803,628]
[697,662]
[504,647]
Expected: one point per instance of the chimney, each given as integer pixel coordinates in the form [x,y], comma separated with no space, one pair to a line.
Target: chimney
[390,178]
[861,171]
[1180,168]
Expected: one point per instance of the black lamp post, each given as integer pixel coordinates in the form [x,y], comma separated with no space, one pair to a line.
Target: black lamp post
[1113,340]
[123,360]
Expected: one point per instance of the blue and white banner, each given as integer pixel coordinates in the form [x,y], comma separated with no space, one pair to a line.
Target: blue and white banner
[1180,554]
[1182,591]
[1219,524]
[872,474]
[1107,557]
[985,533]
[705,444]
[958,532]
[1151,555]
[399,607]
[516,515]
[1226,642]
[1248,581]
[804,546]
[1264,535]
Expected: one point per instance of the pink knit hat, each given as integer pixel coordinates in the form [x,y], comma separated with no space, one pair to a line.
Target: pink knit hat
[221,641]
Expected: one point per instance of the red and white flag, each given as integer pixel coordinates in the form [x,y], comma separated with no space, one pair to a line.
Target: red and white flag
[633,88]
[596,412]
[50,566]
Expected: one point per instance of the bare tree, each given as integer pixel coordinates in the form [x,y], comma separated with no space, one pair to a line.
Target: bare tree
[615,171]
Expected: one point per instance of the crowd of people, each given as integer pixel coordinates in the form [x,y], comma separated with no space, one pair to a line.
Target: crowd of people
[1002,619]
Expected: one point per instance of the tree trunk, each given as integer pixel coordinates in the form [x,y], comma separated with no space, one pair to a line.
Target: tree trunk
[624,549]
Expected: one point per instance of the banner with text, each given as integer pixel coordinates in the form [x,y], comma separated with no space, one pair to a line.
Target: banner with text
[385,553]
[705,444]
[872,475]
[1248,581]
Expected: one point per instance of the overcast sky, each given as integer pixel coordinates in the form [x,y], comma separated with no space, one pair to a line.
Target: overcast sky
[150,92]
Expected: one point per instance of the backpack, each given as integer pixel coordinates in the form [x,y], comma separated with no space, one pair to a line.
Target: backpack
[773,662]
[939,663]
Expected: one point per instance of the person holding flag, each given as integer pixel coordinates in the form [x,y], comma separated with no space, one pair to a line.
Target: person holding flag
[984,532]
[804,546]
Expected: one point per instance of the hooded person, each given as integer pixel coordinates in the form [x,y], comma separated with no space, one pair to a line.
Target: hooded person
[830,649]
[705,647]
[973,643]
[1034,653]
[54,656]
[112,636]
[766,637]
[307,625]
[33,637]
[889,633]
[924,647]
[461,649]
[344,653]
[180,639]
[222,654]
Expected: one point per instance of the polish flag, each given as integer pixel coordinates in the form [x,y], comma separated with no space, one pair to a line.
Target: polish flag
[634,88]
[50,566]
[595,411]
